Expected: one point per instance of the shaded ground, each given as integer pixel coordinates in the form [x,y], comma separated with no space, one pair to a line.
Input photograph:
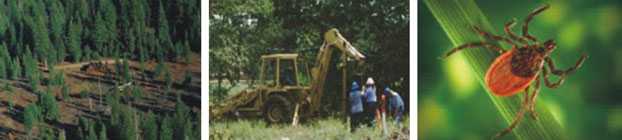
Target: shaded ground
[97,83]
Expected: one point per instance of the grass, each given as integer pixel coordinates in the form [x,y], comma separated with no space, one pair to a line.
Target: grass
[325,128]
[456,18]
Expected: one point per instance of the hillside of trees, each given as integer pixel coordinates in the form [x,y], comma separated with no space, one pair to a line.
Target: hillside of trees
[136,73]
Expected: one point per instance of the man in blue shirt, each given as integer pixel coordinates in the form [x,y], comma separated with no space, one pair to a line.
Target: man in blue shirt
[370,101]
[396,104]
[356,106]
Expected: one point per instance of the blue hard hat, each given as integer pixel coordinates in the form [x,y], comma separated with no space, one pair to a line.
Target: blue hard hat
[355,85]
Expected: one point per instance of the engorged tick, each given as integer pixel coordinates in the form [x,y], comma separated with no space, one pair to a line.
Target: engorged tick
[514,70]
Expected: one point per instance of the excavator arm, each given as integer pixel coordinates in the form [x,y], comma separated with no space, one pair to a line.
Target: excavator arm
[332,39]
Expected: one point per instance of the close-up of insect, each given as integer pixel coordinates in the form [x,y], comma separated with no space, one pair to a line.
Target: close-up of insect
[519,68]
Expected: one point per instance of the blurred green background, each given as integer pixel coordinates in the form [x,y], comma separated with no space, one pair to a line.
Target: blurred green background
[453,105]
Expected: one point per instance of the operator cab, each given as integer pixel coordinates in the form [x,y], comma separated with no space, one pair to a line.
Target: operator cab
[283,70]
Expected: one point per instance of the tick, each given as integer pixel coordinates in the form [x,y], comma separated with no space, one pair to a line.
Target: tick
[516,69]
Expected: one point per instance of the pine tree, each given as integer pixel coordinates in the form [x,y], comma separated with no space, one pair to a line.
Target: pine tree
[57,24]
[100,34]
[49,106]
[31,70]
[5,60]
[181,119]
[150,127]
[65,90]
[30,115]
[102,134]
[16,70]
[166,128]
[74,40]
[164,33]
[159,70]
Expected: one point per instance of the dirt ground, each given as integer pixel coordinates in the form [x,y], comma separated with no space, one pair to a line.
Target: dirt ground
[97,84]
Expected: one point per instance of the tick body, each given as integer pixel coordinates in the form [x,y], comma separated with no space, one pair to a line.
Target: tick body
[521,67]
[513,71]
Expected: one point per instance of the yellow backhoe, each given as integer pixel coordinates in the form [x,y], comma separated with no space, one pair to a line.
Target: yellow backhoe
[284,89]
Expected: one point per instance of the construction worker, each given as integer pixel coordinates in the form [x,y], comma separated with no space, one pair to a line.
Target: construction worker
[356,106]
[370,101]
[395,105]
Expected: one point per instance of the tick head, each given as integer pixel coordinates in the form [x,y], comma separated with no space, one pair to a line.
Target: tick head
[549,46]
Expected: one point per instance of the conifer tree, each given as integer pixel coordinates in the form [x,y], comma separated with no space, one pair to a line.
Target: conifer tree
[74,40]
[150,128]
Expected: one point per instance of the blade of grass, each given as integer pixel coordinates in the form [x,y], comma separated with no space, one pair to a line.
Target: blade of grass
[457,17]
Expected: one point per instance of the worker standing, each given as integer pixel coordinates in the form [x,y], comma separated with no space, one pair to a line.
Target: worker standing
[370,101]
[396,104]
[356,106]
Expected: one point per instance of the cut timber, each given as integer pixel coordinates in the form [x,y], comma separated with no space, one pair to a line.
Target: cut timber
[82,64]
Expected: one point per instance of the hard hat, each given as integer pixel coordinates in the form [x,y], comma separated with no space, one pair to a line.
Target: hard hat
[355,85]
[370,81]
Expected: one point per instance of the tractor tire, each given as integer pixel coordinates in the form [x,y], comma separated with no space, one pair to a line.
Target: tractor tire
[278,109]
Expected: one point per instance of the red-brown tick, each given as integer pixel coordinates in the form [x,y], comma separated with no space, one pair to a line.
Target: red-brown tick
[515,70]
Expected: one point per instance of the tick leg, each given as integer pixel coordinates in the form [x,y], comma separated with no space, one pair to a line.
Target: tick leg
[508,30]
[529,18]
[493,37]
[549,83]
[570,70]
[473,45]
[534,95]
[517,118]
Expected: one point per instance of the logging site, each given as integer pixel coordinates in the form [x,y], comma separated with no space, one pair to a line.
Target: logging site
[309,70]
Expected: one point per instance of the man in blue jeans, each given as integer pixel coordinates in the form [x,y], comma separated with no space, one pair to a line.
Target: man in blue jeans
[356,106]
[396,104]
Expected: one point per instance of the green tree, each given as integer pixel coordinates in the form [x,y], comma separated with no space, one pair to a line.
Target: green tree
[5,61]
[150,127]
[57,24]
[102,133]
[166,128]
[31,117]
[49,106]
[164,33]
[181,120]
[74,40]
[31,70]
[16,69]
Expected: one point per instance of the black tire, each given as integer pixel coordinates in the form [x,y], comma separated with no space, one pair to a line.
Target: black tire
[278,109]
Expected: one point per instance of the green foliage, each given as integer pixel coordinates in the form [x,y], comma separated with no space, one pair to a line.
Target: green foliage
[31,116]
[57,77]
[74,40]
[182,120]
[16,69]
[46,133]
[31,70]
[49,106]
[5,61]
[166,128]
[61,135]
[84,94]
[187,82]
[65,90]
[159,70]
[103,135]
[150,127]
